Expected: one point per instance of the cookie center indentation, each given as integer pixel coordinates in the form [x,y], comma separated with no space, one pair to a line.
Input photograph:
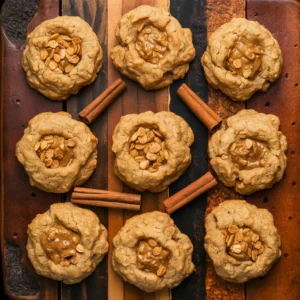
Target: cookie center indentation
[151,43]
[148,148]
[61,52]
[152,257]
[242,243]
[248,154]
[55,151]
[244,59]
[61,245]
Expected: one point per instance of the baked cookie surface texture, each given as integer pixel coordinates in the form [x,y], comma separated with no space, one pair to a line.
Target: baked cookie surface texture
[241,240]
[248,153]
[66,243]
[61,56]
[57,152]
[150,252]
[152,150]
[154,49]
[241,58]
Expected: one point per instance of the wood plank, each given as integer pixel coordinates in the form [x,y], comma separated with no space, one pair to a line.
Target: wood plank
[95,13]
[282,18]
[135,100]
[19,201]
[217,14]
[115,217]
[190,218]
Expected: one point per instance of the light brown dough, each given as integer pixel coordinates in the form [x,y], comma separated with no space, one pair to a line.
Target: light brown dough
[177,137]
[248,153]
[236,80]
[154,49]
[54,84]
[241,214]
[159,227]
[83,222]
[80,167]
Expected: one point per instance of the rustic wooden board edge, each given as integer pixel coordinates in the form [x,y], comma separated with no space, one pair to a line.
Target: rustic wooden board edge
[13,238]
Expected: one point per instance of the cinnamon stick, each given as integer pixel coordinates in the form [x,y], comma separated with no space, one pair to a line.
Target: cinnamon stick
[204,113]
[106,204]
[189,193]
[95,108]
[94,197]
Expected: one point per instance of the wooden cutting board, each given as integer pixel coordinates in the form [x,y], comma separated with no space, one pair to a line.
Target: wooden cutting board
[19,103]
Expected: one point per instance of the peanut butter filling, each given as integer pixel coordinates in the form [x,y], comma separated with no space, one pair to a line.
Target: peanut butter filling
[152,257]
[61,52]
[55,151]
[244,59]
[148,148]
[242,243]
[247,153]
[61,245]
[151,43]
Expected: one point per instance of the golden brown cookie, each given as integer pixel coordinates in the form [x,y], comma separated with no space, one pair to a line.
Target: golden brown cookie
[57,152]
[152,150]
[150,252]
[248,152]
[62,55]
[155,50]
[241,58]
[66,243]
[241,240]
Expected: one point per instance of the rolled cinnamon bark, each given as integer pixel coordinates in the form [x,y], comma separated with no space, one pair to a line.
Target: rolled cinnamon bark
[189,193]
[205,114]
[95,108]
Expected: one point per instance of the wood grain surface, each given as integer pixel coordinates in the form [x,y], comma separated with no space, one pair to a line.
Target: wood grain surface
[282,99]
[94,13]
[134,100]
[20,202]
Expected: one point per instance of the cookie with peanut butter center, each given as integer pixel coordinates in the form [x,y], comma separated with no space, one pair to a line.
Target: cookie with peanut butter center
[66,243]
[248,152]
[154,49]
[150,252]
[241,240]
[152,150]
[61,55]
[241,58]
[57,152]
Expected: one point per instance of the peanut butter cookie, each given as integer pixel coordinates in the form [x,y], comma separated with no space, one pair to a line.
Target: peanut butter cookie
[241,58]
[248,153]
[150,252]
[152,150]
[62,55]
[66,243]
[241,240]
[155,50]
[57,152]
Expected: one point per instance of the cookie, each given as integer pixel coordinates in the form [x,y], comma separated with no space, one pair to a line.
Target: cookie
[57,152]
[241,58]
[150,252]
[248,152]
[154,49]
[66,243]
[241,240]
[152,150]
[61,56]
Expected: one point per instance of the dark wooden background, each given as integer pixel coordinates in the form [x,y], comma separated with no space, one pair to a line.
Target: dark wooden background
[20,103]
